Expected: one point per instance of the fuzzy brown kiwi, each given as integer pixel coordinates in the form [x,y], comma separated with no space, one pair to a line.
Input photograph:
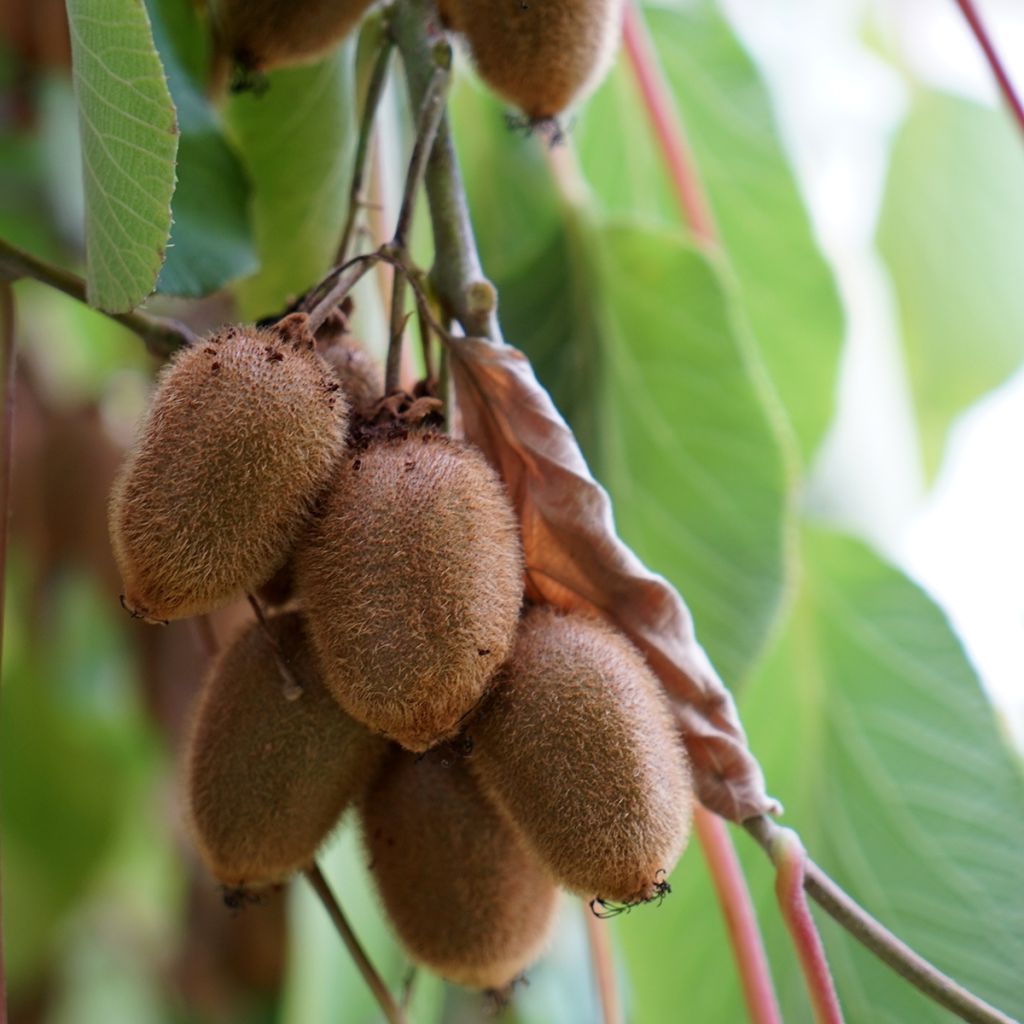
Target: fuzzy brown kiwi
[412,582]
[465,894]
[268,777]
[241,438]
[541,55]
[577,744]
[361,376]
[260,35]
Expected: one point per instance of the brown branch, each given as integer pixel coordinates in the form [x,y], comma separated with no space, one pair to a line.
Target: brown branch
[1013,100]
[378,79]
[843,909]
[8,361]
[392,1012]
[457,277]
[431,111]
[161,335]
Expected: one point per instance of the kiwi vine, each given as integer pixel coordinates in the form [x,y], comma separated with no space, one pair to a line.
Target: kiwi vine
[397,667]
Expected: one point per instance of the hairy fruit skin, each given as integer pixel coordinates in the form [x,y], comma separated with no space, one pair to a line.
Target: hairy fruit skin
[541,55]
[361,376]
[466,896]
[264,34]
[241,438]
[577,744]
[268,778]
[412,582]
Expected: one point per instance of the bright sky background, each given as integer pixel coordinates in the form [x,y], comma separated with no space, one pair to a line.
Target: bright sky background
[839,102]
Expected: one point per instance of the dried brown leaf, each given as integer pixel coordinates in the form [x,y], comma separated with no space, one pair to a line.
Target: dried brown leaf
[575,560]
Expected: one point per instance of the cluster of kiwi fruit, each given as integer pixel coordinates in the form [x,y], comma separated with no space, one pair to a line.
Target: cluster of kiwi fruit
[540,55]
[493,752]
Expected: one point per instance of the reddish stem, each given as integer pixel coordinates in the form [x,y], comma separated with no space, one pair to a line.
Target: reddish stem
[740,919]
[604,967]
[970,12]
[8,359]
[667,126]
[791,864]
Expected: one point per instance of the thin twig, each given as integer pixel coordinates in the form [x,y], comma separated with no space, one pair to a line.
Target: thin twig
[378,80]
[427,122]
[1013,100]
[877,938]
[339,282]
[161,335]
[292,687]
[456,274]
[392,1012]
[740,918]
[665,121]
[599,938]
[8,361]
[790,860]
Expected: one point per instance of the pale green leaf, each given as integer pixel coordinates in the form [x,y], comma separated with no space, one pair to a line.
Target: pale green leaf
[874,732]
[786,289]
[296,137]
[129,142]
[952,233]
[695,464]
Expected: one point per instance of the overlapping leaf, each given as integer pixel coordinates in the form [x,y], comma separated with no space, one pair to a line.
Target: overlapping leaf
[211,241]
[786,289]
[875,734]
[129,142]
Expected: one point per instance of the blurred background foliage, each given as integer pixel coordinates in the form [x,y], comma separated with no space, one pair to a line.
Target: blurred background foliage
[711,391]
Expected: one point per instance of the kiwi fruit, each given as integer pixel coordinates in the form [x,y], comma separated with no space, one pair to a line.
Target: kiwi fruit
[361,376]
[241,438]
[540,55]
[577,744]
[466,896]
[268,777]
[260,35]
[412,580]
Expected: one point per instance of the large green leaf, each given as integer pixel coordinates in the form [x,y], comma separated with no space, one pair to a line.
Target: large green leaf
[695,466]
[632,332]
[874,732]
[787,291]
[211,241]
[295,137]
[129,141]
[952,233]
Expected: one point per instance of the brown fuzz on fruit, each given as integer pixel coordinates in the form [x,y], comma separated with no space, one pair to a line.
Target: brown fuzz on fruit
[577,744]
[268,777]
[259,35]
[241,438]
[464,893]
[361,376]
[412,580]
[541,55]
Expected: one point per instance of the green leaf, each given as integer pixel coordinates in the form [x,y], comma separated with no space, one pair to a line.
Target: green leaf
[695,464]
[951,233]
[296,138]
[211,240]
[786,288]
[875,734]
[629,329]
[129,142]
